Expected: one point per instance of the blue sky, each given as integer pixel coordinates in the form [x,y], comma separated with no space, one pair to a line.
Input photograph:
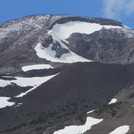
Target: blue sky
[121,10]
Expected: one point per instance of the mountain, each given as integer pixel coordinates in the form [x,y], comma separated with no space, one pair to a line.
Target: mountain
[63,74]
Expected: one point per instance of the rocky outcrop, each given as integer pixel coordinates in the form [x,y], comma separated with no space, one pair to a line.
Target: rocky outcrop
[106,45]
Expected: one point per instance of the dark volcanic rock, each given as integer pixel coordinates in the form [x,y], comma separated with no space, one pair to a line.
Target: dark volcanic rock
[59,49]
[46,41]
[107,46]
[87,19]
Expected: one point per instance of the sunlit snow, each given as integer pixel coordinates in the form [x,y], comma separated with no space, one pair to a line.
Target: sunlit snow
[36,67]
[40,81]
[90,111]
[49,55]
[63,31]
[121,130]
[4,102]
[60,32]
[34,82]
[24,81]
[4,83]
[113,101]
[79,129]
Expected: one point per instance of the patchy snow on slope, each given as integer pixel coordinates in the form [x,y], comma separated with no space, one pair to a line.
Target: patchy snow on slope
[114,100]
[34,81]
[23,81]
[90,111]
[4,102]
[121,130]
[63,31]
[19,104]
[36,67]
[25,93]
[49,55]
[40,81]
[79,129]
[4,83]
[60,32]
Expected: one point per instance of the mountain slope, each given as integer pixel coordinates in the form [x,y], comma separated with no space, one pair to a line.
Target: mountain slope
[89,83]
[56,68]
[19,37]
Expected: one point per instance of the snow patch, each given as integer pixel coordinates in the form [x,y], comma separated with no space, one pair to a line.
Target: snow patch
[38,81]
[63,31]
[129,32]
[4,83]
[23,81]
[121,130]
[4,102]
[90,111]
[34,82]
[49,55]
[79,129]
[126,27]
[113,101]
[19,104]
[36,67]
[60,32]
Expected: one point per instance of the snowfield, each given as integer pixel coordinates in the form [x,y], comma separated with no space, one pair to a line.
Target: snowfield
[63,31]
[79,129]
[49,55]
[113,101]
[121,130]
[60,32]
[24,81]
[4,102]
[34,82]
[38,83]
[36,67]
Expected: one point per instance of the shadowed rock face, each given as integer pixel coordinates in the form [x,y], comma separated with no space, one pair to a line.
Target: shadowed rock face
[107,46]
[77,87]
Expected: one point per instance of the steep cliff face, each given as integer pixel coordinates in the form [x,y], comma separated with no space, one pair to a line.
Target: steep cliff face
[106,45]
[56,68]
